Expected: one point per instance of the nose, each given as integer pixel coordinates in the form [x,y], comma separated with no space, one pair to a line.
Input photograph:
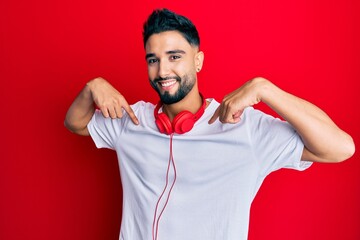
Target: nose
[164,69]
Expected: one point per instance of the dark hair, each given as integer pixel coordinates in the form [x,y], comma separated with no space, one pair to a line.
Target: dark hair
[162,20]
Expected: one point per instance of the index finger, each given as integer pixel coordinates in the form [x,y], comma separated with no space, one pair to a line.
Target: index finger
[215,116]
[131,113]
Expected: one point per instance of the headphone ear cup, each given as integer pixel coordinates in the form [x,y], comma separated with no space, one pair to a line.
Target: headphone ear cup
[183,122]
[163,123]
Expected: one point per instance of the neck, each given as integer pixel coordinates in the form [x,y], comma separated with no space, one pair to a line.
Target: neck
[191,102]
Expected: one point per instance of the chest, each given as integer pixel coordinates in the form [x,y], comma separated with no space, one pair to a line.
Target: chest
[198,162]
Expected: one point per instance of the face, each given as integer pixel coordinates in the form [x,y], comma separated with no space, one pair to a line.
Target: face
[172,65]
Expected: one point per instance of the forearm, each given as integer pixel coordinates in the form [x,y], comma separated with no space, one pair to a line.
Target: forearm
[80,112]
[322,138]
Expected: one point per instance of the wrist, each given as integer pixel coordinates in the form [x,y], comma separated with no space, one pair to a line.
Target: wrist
[268,92]
[94,84]
[262,88]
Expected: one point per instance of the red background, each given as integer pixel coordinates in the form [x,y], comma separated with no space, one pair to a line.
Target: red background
[56,185]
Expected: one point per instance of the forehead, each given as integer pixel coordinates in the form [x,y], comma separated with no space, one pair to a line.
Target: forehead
[166,41]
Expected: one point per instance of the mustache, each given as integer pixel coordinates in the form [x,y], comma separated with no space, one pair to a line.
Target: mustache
[177,78]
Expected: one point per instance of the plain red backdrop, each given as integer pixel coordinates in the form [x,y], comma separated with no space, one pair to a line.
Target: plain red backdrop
[55,185]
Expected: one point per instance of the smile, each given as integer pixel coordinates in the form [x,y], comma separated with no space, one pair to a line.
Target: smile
[167,83]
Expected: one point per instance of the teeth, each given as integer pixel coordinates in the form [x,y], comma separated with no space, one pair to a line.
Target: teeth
[168,83]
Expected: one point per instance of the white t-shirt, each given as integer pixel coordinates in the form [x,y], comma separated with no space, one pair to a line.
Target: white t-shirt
[219,169]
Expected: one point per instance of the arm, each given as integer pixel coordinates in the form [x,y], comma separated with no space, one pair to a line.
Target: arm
[323,140]
[105,96]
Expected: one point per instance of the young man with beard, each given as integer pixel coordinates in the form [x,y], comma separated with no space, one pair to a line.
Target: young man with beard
[190,167]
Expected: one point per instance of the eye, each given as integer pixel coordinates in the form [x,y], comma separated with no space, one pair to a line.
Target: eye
[152,60]
[174,57]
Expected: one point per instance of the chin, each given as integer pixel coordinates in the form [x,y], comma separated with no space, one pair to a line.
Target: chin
[167,98]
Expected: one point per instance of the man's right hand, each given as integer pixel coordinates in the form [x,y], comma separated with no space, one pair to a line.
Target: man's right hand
[109,100]
[105,96]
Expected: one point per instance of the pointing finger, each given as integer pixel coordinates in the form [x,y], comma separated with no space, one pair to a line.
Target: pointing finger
[131,113]
[215,116]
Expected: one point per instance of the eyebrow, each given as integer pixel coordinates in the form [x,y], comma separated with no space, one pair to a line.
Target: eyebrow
[177,51]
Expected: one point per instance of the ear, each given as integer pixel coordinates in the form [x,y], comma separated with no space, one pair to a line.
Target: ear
[199,60]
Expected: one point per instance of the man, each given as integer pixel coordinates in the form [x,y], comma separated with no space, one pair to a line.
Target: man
[190,166]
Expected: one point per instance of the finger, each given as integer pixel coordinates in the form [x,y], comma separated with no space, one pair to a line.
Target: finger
[237,116]
[224,112]
[230,116]
[112,112]
[118,110]
[215,116]
[230,113]
[131,113]
[104,112]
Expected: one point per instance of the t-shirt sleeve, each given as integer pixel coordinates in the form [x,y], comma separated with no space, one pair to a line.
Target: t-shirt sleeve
[104,131]
[275,143]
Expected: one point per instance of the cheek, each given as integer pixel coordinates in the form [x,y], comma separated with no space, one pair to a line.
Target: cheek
[152,72]
[187,67]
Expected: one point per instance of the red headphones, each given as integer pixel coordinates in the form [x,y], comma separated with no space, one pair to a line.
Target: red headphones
[182,123]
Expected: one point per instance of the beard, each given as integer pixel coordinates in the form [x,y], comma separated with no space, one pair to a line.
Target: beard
[186,84]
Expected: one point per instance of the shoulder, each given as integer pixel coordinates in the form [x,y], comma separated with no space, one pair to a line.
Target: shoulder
[142,105]
[144,111]
[260,123]
[142,108]
[254,116]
